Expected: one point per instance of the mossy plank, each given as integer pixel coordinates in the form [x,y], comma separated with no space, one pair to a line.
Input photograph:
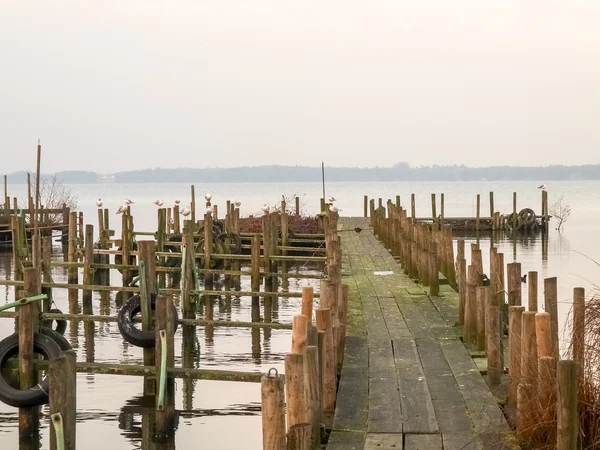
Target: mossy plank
[423,442]
[384,441]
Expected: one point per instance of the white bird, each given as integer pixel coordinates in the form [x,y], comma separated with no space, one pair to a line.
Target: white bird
[128,202]
[335,209]
[207,197]
[158,203]
[177,202]
[331,199]
[186,211]
[543,187]
[265,209]
[99,203]
[209,210]
[237,204]
[122,208]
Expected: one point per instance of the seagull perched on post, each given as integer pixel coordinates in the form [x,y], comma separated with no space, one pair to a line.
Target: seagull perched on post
[265,209]
[207,197]
[122,208]
[177,202]
[128,202]
[99,203]
[158,203]
[335,209]
[542,187]
[209,210]
[186,211]
[331,199]
[237,204]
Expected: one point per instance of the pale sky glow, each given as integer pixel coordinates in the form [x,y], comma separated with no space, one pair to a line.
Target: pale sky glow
[118,85]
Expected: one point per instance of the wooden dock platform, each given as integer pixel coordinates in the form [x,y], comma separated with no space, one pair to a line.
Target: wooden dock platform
[407,380]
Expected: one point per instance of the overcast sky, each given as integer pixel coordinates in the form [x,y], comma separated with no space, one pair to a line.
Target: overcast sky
[113,85]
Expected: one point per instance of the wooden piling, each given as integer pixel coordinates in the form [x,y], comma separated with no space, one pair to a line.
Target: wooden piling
[294,384]
[88,274]
[255,264]
[312,392]
[324,324]
[568,417]
[514,345]
[72,272]
[493,338]
[273,412]
[578,337]
[470,323]
[529,362]
[514,284]
[28,325]
[147,254]
[462,289]
[160,244]
[532,291]
[299,333]
[478,212]
[299,437]
[63,397]
[165,321]
[342,311]
[491,204]
[208,244]
[434,279]
[307,303]
[193,204]
[480,293]
[551,306]
[47,271]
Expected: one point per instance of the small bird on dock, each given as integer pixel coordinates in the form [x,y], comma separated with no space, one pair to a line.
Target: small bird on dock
[177,202]
[542,187]
[122,208]
[237,204]
[265,209]
[128,202]
[209,210]
[207,197]
[335,209]
[158,203]
[186,211]
[99,203]
[331,199]
[524,279]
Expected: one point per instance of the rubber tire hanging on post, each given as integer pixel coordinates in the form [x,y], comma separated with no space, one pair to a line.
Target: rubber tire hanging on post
[132,334]
[38,395]
[514,222]
[61,324]
[56,337]
[527,216]
[217,247]
[236,242]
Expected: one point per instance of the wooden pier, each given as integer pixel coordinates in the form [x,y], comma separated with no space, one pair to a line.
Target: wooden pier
[407,380]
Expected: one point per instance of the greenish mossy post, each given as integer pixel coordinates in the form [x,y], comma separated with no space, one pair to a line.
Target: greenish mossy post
[164,321]
[126,247]
[208,244]
[434,280]
[413,212]
[27,327]
[266,245]
[63,397]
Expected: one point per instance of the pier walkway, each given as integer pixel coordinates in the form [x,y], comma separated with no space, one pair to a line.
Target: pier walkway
[407,381]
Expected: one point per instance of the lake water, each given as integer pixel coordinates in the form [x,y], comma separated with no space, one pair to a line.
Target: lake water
[226,415]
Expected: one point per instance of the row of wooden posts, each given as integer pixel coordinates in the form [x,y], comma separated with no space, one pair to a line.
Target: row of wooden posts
[424,251]
[62,371]
[438,217]
[296,407]
[541,385]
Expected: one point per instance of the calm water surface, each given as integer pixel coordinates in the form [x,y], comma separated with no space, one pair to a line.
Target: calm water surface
[226,414]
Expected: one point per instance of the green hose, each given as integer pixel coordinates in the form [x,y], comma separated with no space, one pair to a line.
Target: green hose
[163,369]
[58,430]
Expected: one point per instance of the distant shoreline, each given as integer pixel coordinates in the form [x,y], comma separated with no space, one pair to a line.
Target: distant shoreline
[278,174]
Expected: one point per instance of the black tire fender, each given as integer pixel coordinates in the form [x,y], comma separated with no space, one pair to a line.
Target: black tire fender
[62,342]
[132,334]
[61,324]
[38,395]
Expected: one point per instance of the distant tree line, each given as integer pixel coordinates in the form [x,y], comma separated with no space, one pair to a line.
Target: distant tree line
[399,172]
